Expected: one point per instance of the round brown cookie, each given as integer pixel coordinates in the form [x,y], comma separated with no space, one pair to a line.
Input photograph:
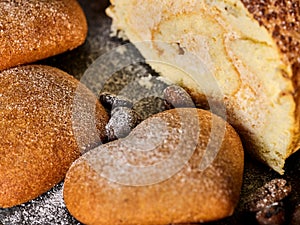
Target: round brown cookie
[178,166]
[47,120]
[31,30]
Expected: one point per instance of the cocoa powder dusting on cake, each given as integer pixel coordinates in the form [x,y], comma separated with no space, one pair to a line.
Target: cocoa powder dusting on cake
[282,19]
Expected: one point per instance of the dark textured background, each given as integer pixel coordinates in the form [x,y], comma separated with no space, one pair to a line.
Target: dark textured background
[49,208]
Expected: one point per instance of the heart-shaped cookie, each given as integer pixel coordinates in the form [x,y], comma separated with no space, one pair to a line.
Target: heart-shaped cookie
[178,166]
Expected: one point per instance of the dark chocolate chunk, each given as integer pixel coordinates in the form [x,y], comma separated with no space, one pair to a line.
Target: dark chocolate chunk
[112,101]
[148,106]
[177,97]
[122,121]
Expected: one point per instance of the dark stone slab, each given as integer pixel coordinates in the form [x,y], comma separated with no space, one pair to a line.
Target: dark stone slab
[135,80]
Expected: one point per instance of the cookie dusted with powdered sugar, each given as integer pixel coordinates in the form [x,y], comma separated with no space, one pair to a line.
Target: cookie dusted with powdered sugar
[47,120]
[31,30]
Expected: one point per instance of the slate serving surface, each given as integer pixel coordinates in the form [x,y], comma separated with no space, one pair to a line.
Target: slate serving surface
[49,208]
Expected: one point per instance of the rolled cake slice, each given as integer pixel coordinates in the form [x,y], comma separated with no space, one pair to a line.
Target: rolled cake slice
[242,53]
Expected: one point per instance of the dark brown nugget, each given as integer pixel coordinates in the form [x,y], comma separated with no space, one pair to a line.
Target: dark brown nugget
[272,192]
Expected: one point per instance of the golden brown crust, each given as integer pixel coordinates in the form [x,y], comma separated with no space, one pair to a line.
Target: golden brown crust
[296,82]
[282,20]
[38,142]
[31,30]
[190,195]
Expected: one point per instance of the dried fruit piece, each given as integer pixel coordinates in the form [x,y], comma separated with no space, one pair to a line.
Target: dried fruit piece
[296,216]
[271,192]
[271,215]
